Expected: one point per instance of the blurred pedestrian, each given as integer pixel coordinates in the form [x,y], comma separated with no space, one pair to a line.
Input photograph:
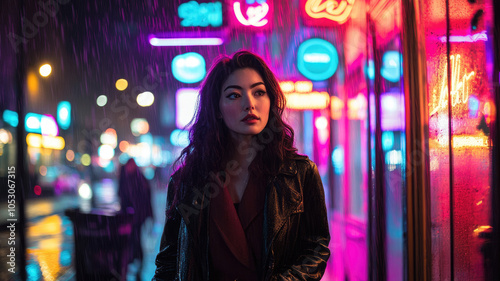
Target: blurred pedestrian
[243,205]
[135,196]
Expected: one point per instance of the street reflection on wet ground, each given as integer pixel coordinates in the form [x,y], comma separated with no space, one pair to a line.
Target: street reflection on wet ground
[50,240]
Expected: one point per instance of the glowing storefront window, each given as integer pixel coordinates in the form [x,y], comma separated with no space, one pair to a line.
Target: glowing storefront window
[186,100]
[459,87]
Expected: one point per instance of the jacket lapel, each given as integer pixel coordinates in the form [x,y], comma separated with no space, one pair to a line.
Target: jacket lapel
[281,201]
[228,225]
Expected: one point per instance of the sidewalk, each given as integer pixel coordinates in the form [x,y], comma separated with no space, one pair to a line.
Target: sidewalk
[50,241]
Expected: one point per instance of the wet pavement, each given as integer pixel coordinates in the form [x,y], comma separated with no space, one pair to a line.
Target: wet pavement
[50,237]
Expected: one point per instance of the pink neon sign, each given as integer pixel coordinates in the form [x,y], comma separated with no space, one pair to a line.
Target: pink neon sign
[252,13]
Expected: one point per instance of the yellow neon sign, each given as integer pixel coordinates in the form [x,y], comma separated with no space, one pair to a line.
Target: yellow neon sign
[335,10]
[459,86]
[298,86]
[305,101]
[465,141]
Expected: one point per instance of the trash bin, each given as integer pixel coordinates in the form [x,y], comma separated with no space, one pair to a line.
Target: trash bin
[102,241]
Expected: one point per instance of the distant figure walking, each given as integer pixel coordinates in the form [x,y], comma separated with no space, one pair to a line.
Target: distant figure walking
[134,192]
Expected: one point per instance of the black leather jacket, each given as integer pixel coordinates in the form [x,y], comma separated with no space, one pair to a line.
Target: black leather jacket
[296,233]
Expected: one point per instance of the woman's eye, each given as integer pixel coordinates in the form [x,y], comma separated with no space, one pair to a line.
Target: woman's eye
[260,93]
[233,95]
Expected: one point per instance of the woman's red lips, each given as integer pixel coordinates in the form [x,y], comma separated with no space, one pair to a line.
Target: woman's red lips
[250,117]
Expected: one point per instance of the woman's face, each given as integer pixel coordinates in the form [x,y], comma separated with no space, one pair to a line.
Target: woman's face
[244,103]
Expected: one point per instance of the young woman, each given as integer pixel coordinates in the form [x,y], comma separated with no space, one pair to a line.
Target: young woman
[243,205]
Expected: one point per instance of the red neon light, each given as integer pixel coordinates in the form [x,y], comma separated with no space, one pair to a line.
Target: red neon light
[334,10]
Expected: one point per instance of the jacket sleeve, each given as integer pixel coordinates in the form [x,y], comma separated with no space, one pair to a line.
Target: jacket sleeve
[166,260]
[314,233]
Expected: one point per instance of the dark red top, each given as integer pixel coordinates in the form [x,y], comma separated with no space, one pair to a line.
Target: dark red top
[236,237]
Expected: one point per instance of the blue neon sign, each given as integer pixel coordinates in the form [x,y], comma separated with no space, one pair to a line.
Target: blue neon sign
[317,59]
[10,117]
[193,13]
[189,67]
[392,66]
[64,114]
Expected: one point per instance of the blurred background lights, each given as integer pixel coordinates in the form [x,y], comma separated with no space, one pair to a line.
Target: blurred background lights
[64,114]
[43,170]
[109,137]
[387,140]
[124,145]
[338,159]
[10,117]
[5,136]
[32,122]
[49,126]
[102,100]
[189,67]
[186,101]
[145,99]
[106,152]
[179,138]
[70,155]
[84,191]
[33,84]
[149,173]
[45,70]
[139,126]
[473,106]
[392,66]
[321,123]
[85,160]
[121,84]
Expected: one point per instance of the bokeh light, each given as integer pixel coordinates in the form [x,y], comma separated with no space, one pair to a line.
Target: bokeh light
[70,155]
[45,70]
[84,191]
[102,100]
[42,170]
[121,84]
[85,159]
[124,146]
[145,99]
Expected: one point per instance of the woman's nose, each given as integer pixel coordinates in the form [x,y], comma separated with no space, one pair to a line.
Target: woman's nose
[249,103]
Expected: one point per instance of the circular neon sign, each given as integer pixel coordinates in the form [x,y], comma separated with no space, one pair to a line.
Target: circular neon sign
[189,67]
[317,59]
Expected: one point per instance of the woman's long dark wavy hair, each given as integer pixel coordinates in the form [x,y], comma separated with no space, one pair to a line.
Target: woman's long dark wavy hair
[210,142]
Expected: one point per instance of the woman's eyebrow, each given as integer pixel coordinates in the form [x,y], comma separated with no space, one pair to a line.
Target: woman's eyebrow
[240,88]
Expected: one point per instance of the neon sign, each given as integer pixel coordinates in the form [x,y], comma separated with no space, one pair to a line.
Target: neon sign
[337,11]
[391,66]
[299,95]
[189,67]
[481,36]
[317,59]
[194,14]
[459,87]
[256,16]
